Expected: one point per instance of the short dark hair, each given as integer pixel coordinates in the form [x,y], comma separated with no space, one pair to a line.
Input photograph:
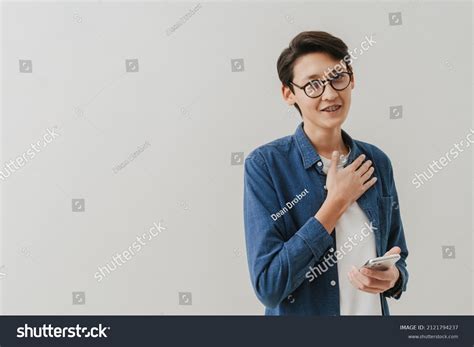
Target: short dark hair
[309,42]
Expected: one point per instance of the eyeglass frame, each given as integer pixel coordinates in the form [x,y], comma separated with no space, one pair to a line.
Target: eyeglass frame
[324,84]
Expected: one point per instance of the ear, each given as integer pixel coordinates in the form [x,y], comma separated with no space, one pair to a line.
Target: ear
[353,81]
[288,95]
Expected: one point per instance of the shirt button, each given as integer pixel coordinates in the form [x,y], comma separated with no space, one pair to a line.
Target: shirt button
[319,163]
[325,188]
[333,283]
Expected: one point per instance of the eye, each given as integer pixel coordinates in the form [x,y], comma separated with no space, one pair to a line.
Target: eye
[316,84]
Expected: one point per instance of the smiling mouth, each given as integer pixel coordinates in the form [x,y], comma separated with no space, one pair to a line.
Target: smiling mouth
[332,108]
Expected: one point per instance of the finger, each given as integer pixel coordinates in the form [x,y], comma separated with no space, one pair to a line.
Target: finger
[393,250]
[356,283]
[334,162]
[377,274]
[369,183]
[367,175]
[369,282]
[356,163]
[364,167]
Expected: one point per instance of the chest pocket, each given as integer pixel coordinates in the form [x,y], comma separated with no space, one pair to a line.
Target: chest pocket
[386,204]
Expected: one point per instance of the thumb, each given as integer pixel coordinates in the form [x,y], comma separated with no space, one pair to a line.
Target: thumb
[334,162]
[393,250]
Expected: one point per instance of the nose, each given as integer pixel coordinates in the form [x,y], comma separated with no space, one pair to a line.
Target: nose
[329,93]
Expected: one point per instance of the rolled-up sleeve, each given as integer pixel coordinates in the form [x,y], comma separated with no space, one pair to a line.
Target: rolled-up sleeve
[397,238]
[277,263]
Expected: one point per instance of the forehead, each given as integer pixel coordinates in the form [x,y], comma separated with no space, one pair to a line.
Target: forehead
[313,65]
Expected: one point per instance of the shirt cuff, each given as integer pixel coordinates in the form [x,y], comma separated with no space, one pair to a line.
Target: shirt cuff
[316,237]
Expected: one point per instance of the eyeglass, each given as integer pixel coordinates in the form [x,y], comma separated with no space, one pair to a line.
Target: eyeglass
[315,88]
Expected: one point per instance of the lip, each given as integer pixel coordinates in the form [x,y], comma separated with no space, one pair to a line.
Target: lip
[323,109]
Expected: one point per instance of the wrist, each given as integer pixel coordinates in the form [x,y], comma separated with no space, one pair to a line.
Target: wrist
[398,279]
[396,289]
[337,204]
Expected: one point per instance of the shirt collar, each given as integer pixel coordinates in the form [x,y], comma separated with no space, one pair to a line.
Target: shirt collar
[310,155]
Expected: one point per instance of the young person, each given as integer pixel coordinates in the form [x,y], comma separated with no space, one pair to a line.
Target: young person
[318,204]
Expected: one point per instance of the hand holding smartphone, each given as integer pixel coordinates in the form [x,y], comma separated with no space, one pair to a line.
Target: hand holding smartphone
[382,263]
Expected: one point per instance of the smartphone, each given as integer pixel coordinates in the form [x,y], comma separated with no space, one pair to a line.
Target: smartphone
[382,263]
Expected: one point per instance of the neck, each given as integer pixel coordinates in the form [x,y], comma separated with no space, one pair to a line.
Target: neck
[325,141]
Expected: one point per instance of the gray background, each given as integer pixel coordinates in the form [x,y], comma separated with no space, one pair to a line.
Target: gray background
[186,101]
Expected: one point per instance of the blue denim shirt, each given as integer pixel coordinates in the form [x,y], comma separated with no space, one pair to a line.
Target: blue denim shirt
[282,246]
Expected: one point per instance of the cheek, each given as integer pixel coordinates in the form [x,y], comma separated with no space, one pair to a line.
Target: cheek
[310,104]
[346,99]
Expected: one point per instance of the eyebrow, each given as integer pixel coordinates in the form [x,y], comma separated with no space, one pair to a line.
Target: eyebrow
[319,76]
[312,77]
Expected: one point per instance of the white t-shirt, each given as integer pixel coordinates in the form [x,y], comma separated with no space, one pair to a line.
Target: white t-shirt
[354,225]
